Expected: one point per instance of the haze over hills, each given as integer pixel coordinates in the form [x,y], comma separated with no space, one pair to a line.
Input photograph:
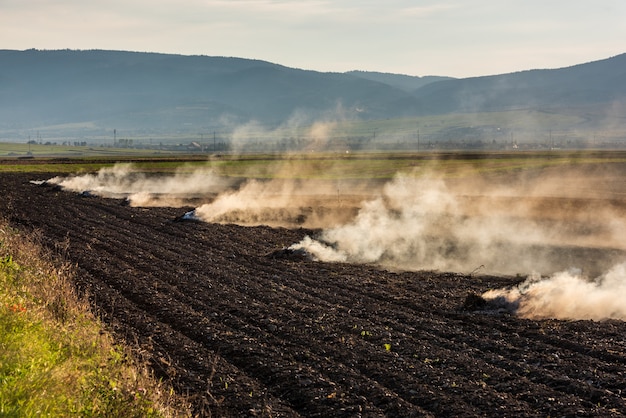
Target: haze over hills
[400,81]
[134,89]
[598,82]
[90,93]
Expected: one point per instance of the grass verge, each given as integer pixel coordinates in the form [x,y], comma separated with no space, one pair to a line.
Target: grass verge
[55,357]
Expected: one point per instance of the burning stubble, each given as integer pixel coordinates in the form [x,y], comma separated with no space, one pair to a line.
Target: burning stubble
[567,295]
[286,203]
[535,222]
[123,181]
[282,201]
[424,223]
[540,225]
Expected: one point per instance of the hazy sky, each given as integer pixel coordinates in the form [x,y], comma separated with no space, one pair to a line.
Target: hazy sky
[458,38]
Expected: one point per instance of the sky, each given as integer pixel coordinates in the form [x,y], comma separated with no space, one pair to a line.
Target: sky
[456,38]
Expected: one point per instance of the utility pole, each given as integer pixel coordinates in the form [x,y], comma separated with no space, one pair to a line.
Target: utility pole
[214,145]
[551,142]
[418,140]
[114,137]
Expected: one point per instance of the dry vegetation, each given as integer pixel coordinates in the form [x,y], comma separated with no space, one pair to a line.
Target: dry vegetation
[56,359]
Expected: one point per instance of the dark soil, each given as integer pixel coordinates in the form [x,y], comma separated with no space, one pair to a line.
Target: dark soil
[246,328]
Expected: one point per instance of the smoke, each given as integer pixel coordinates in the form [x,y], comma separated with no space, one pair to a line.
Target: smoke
[536,225]
[537,221]
[285,202]
[540,221]
[124,181]
[279,201]
[252,197]
[302,131]
[425,223]
[399,228]
[568,295]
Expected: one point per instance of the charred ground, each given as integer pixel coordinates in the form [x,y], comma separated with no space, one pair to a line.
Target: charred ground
[246,328]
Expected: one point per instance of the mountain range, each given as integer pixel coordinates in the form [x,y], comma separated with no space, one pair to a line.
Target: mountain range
[87,91]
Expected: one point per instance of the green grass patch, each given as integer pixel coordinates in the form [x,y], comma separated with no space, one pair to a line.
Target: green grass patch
[55,357]
[385,166]
[24,151]
[362,165]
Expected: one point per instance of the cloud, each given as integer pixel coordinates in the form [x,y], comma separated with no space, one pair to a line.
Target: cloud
[410,37]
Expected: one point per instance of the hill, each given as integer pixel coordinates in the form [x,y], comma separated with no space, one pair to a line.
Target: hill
[599,82]
[400,81]
[89,94]
[134,90]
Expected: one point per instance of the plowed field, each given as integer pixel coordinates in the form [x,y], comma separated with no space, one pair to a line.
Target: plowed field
[247,329]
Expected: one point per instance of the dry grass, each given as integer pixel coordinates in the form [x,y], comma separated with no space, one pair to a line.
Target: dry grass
[56,359]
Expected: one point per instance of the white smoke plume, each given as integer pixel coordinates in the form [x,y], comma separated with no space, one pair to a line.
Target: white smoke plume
[539,222]
[253,196]
[568,295]
[304,131]
[284,202]
[281,201]
[421,223]
[503,225]
[124,181]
